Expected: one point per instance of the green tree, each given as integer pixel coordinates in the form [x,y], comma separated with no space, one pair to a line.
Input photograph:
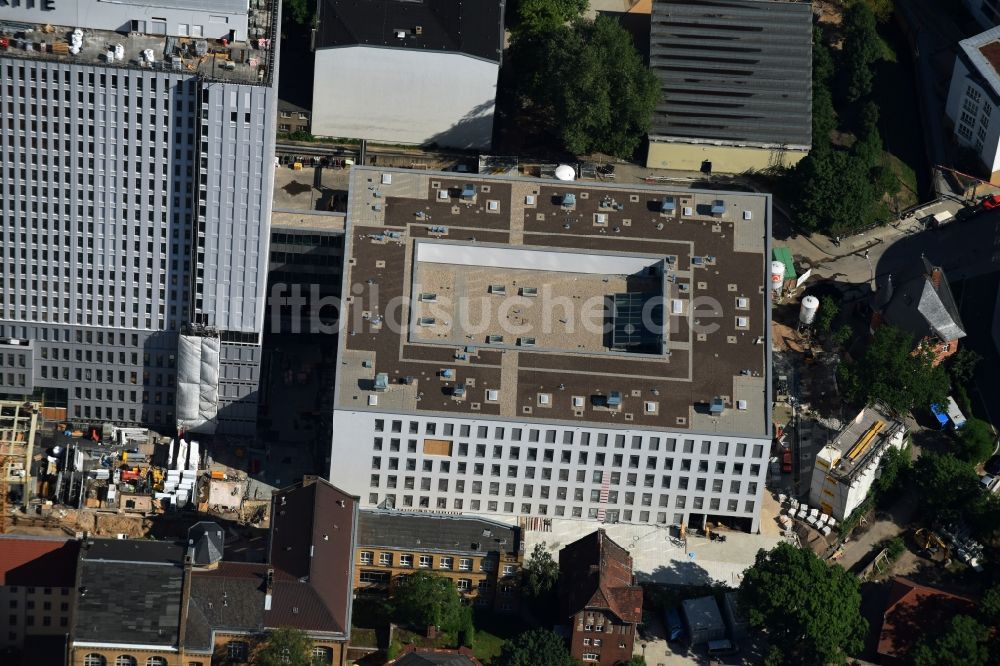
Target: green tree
[975,441]
[964,643]
[810,611]
[299,11]
[587,83]
[540,573]
[535,16]
[989,605]
[538,646]
[637,660]
[896,547]
[892,372]
[882,9]
[285,646]
[843,335]
[424,598]
[946,486]
[824,117]
[894,473]
[828,311]
[962,365]
[862,48]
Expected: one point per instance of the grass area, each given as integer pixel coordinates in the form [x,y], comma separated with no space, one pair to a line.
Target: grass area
[491,632]
[908,194]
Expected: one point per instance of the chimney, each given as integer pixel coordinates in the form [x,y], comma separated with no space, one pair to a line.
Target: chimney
[936,277]
[268,589]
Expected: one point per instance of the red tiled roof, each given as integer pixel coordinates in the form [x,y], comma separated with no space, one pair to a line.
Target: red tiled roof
[595,572]
[910,612]
[42,562]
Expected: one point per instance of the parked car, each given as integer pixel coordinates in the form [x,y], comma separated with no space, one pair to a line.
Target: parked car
[992,201]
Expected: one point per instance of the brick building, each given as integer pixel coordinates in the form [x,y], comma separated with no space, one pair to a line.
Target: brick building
[599,598]
[482,557]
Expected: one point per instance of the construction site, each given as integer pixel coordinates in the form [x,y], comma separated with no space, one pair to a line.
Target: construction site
[112,481]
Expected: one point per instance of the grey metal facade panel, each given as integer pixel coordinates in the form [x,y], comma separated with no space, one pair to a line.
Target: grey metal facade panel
[98,189]
[735,71]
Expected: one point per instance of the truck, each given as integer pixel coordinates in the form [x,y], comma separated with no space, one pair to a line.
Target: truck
[949,413]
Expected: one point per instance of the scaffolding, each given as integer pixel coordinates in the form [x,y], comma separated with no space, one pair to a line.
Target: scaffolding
[18,425]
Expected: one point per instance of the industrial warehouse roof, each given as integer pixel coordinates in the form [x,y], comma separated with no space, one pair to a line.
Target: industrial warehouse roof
[474,27]
[733,71]
[425,532]
[478,264]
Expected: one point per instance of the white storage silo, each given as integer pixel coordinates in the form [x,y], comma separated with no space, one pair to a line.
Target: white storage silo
[777,275]
[807,312]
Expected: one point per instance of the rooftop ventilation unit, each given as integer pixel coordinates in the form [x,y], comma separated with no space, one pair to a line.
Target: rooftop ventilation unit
[718,207]
[526,342]
[717,406]
[668,205]
[494,339]
[458,391]
[498,289]
[529,292]
[382,382]
[614,399]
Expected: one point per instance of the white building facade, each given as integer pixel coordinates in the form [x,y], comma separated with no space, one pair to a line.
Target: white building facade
[973,97]
[507,469]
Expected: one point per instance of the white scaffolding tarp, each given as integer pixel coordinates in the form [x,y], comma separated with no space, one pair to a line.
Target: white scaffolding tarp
[197,383]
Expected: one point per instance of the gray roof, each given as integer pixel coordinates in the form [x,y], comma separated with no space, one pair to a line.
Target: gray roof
[229,599]
[921,307]
[435,533]
[133,550]
[128,602]
[736,71]
[972,50]
[702,614]
[217,6]
[206,540]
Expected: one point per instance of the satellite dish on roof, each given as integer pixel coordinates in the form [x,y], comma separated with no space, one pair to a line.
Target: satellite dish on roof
[565,172]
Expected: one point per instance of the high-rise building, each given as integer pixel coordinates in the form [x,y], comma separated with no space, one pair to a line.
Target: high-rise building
[135,195]
[532,347]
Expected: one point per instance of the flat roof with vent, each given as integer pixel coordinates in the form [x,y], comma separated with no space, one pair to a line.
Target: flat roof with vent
[513,292]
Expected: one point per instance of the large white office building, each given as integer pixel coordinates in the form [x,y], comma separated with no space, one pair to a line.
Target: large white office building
[135,197]
[472,378]
[973,96]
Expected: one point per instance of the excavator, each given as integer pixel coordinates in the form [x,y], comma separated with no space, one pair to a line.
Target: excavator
[932,546]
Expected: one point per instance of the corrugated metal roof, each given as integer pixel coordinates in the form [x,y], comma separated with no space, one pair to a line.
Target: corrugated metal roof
[784,255]
[737,71]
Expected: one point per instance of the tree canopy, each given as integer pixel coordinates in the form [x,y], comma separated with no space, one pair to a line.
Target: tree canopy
[809,609]
[538,646]
[892,372]
[285,646]
[299,11]
[828,311]
[540,573]
[587,83]
[862,49]
[975,441]
[946,485]
[535,16]
[963,643]
[425,598]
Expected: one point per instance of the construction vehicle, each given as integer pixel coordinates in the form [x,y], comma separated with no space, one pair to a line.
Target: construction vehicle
[932,546]
[155,478]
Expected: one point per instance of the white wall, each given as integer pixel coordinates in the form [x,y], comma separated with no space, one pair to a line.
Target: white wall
[404,96]
[216,18]
[352,468]
[985,125]
[461,254]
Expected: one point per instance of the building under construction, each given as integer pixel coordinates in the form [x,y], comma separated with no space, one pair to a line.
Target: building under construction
[18,424]
[847,466]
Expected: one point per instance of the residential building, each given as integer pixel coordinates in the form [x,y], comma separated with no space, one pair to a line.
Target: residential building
[736,81]
[912,613]
[846,468]
[36,578]
[417,656]
[163,603]
[292,118]
[482,557]
[973,94]
[135,200]
[986,12]
[416,72]
[922,305]
[523,347]
[599,599]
